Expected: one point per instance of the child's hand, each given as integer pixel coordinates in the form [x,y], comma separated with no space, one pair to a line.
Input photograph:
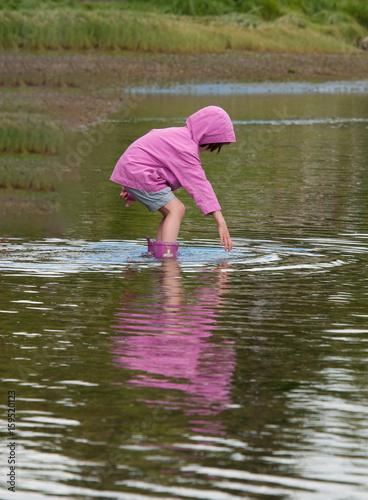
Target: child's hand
[223,230]
[225,237]
[124,195]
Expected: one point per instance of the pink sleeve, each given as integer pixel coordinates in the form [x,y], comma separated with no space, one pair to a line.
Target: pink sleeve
[189,172]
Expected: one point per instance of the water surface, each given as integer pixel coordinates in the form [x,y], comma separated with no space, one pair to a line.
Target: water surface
[219,376]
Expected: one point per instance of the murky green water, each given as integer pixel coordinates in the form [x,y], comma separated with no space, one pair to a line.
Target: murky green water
[220,376]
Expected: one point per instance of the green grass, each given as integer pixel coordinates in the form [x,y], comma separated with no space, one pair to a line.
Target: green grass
[33,78]
[72,28]
[28,174]
[265,9]
[29,134]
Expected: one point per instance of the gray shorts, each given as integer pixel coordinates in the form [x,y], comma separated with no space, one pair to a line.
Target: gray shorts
[152,201]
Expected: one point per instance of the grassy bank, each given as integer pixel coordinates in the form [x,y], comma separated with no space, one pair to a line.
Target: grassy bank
[184,26]
[29,134]
[29,173]
[29,144]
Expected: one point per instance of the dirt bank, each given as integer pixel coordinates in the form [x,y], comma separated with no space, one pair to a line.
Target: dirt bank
[131,68]
[81,89]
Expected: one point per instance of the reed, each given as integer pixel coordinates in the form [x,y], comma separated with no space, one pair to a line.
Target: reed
[31,77]
[28,174]
[267,9]
[29,134]
[108,29]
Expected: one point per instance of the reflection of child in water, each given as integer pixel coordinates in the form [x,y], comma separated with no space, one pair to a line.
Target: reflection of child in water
[168,345]
[166,159]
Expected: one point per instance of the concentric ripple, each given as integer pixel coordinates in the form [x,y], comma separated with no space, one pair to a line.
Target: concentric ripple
[56,257]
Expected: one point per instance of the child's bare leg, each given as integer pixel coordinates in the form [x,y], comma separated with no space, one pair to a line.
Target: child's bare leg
[168,228]
[159,230]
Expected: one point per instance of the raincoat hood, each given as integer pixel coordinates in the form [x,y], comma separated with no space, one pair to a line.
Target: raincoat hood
[210,125]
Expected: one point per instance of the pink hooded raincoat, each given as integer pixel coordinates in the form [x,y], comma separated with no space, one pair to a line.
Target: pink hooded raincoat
[170,157]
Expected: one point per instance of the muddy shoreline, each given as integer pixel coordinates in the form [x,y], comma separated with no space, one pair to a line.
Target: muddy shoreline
[81,89]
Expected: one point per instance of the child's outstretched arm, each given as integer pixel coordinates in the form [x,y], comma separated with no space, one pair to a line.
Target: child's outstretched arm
[223,230]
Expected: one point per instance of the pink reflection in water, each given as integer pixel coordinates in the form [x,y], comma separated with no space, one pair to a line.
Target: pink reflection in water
[168,345]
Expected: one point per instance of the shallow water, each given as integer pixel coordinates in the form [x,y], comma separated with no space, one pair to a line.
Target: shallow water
[219,376]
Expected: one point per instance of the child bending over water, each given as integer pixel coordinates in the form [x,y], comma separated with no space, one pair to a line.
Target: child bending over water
[166,159]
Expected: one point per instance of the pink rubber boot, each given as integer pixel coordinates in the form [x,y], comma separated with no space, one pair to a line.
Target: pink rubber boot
[150,244]
[165,250]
